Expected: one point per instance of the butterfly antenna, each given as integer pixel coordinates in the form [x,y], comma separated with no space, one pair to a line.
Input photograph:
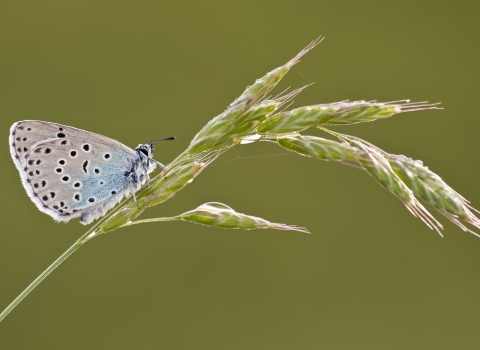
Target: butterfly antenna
[171,138]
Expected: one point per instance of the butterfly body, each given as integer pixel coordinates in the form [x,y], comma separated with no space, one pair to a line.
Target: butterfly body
[69,172]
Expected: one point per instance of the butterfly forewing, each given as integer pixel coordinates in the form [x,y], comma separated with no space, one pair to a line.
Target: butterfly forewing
[70,172]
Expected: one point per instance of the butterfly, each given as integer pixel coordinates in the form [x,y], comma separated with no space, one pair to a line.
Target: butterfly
[69,172]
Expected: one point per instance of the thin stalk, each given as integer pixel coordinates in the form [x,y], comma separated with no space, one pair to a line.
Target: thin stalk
[44,274]
[149,220]
[78,243]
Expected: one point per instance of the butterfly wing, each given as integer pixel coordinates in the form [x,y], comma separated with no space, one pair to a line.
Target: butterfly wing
[68,172]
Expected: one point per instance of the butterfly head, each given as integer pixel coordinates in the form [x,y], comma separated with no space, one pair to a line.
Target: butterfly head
[145,150]
[145,153]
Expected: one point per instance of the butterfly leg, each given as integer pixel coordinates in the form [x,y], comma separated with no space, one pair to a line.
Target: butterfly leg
[134,198]
[148,181]
[132,181]
[159,164]
[148,177]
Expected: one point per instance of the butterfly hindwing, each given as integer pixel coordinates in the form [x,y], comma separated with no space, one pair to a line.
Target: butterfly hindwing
[70,172]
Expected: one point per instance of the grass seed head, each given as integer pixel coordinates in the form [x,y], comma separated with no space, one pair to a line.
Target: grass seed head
[251,117]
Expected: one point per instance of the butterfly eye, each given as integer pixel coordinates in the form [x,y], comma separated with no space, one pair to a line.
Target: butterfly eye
[144,151]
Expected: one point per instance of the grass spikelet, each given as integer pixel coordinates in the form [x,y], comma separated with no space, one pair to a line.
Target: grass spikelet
[317,147]
[427,186]
[221,215]
[264,85]
[434,191]
[378,165]
[219,131]
[339,113]
[348,113]
[424,184]
[359,155]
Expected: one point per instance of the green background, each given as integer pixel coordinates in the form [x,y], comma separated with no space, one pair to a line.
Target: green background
[371,276]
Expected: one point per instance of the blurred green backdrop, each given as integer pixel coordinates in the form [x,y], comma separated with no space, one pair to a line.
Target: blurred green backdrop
[370,276]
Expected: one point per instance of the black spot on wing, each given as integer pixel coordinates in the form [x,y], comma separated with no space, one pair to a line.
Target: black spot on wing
[84,166]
